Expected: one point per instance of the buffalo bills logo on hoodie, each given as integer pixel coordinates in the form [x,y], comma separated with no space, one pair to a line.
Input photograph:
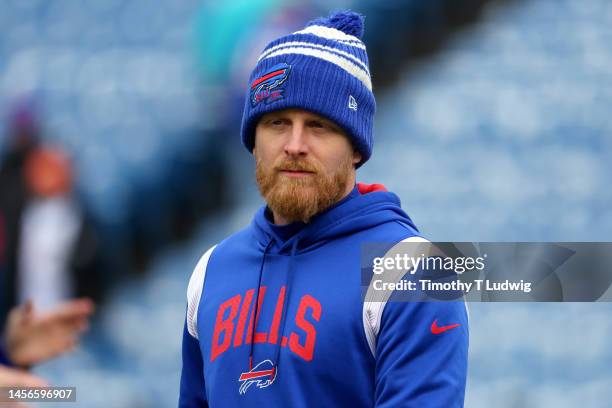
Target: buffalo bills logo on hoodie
[266,87]
[262,375]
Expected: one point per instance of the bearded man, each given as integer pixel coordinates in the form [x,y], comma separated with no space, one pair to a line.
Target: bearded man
[275,315]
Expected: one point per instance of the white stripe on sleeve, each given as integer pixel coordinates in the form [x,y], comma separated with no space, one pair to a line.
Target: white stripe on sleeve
[375,301]
[194,292]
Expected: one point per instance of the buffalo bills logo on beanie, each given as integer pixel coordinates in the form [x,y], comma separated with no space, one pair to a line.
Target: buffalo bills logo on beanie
[323,69]
[265,88]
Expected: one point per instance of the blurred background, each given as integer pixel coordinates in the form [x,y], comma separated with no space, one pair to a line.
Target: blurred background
[120,164]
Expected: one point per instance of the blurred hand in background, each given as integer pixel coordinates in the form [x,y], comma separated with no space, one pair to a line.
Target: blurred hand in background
[33,338]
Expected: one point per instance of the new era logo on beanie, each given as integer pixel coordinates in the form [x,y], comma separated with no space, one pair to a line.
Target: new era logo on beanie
[318,69]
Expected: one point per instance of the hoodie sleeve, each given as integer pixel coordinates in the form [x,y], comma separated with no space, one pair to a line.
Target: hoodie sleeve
[416,364]
[192,391]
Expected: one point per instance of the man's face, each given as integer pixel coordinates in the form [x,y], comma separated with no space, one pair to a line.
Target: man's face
[304,163]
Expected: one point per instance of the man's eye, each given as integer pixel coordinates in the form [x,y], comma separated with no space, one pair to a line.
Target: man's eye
[318,125]
[277,122]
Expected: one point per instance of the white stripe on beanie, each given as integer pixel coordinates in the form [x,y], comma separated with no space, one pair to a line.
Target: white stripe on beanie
[341,62]
[332,34]
[356,60]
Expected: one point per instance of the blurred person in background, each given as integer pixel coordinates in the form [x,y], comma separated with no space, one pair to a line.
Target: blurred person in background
[275,315]
[48,247]
[58,247]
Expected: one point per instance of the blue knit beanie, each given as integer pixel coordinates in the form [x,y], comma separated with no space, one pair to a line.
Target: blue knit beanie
[323,69]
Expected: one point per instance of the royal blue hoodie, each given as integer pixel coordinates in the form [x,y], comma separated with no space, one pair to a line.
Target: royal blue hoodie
[310,340]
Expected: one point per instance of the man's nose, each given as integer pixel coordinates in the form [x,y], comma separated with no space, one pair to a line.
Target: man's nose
[296,144]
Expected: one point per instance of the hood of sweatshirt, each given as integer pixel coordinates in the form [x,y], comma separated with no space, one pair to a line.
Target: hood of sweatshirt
[365,207]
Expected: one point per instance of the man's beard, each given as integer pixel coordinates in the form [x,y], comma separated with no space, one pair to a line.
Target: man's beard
[299,199]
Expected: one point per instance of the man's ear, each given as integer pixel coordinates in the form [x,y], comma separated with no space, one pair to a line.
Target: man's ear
[356,156]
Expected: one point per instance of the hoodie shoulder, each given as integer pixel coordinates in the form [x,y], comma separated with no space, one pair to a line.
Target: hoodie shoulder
[195,288]
[245,239]
[391,231]
[232,246]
